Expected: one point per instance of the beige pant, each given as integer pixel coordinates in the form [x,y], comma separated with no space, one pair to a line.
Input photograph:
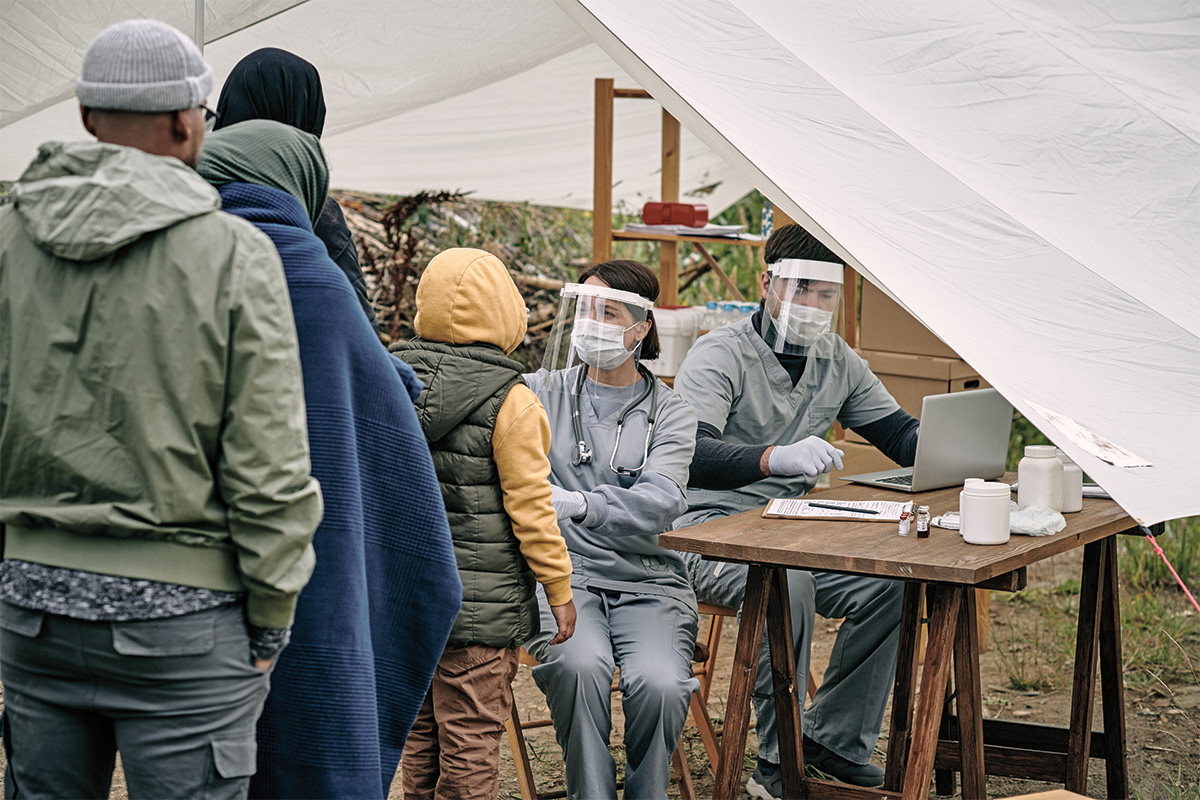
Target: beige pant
[453,751]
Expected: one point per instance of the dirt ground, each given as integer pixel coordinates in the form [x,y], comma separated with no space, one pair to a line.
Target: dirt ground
[1162,723]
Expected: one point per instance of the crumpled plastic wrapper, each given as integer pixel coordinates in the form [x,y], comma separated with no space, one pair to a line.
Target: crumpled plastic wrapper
[1033,521]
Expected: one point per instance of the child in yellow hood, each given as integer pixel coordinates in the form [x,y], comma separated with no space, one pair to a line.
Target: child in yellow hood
[490,438]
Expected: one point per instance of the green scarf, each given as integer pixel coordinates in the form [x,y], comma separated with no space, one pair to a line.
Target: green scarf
[268,153]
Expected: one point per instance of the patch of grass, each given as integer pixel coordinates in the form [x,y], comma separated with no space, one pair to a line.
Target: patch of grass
[1160,636]
[1142,569]
[1068,587]
[1035,654]
[1160,640]
[1184,787]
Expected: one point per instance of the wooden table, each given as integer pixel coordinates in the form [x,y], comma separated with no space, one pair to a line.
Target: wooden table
[942,571]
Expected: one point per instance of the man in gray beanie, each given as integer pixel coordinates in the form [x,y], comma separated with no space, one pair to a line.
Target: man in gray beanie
[156,500]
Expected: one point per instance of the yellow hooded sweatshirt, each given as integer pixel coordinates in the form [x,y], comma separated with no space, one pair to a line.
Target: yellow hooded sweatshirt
[466,296]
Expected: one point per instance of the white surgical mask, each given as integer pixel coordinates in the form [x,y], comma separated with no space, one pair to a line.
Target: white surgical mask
[600,344]
[802,325]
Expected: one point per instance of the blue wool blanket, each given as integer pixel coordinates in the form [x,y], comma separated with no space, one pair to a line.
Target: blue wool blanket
[373,620]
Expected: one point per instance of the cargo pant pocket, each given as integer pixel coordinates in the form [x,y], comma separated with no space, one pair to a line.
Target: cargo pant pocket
[187,635]
[21,621]
[234,762]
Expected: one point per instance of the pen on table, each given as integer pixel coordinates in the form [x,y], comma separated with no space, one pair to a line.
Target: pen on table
[842,508]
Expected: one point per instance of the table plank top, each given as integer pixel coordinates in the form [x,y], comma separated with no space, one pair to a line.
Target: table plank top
[876,548]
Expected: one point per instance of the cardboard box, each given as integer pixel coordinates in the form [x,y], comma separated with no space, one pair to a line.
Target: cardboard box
[858,458]
[910,378]
[887,326]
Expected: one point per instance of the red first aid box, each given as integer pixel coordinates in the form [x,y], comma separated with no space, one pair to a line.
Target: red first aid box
[693,216]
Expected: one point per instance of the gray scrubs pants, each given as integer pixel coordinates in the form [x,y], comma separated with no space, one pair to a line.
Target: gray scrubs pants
[651,638]
[178,697]
[847,711]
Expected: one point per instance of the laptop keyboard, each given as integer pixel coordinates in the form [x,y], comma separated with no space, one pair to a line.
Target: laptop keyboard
[897,480]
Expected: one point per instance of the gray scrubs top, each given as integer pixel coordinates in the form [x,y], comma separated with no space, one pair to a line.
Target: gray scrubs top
[615,546]
[733,381]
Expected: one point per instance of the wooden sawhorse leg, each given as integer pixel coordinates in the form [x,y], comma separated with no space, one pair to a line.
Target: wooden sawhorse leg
[1098,638]
[951,629]
[766,596]
[904,692]
[741,684]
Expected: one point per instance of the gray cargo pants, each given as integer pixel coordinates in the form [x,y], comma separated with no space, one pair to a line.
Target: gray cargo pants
[178,697]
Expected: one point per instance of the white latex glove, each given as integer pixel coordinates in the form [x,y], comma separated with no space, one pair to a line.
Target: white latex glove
[567,503]
[810,456]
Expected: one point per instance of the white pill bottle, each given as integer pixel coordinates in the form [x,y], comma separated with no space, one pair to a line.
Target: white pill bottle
[1072,484]
[1040,478]
[984,512]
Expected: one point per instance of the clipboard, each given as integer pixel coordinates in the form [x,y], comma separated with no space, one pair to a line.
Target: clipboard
[802,508]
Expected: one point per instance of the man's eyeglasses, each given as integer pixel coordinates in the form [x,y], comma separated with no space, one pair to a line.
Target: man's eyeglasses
[210,115]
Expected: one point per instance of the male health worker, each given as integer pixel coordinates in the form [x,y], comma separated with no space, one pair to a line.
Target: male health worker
[766,391]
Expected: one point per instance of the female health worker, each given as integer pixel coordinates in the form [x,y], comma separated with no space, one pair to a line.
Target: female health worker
[621,444]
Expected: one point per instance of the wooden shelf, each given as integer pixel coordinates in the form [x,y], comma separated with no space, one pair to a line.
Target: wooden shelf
[603,234]
[664,237]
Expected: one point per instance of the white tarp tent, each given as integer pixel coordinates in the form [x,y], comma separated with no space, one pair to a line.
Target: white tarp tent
[1022,176]
[490,97]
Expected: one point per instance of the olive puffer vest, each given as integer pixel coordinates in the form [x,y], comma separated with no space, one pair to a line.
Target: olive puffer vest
[465,385]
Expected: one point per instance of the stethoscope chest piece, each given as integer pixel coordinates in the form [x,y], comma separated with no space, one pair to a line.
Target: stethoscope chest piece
[581,454]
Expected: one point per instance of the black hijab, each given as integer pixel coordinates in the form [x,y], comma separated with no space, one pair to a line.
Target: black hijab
[273,84]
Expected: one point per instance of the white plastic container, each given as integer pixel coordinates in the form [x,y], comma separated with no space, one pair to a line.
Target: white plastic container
[1040,478]
[984,512]
[1072,484]
[678,329]
[961,507]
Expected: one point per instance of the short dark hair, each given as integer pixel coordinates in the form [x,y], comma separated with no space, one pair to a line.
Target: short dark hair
[636,277]
[792,241]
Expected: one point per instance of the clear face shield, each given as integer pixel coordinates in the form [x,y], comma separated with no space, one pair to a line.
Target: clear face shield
[598,336]
[598,326]
[803,303]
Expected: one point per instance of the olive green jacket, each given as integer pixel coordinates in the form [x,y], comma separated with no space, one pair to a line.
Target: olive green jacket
[151,410]
[465,387]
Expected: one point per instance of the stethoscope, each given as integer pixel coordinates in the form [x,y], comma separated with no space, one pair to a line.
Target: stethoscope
[582,454]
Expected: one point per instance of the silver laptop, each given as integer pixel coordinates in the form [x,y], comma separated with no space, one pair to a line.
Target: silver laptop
[962,435]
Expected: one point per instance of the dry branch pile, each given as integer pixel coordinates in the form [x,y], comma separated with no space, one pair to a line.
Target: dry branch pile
[396,238]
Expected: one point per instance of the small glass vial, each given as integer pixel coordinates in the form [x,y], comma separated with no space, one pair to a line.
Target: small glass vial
[922,522]
[905,522]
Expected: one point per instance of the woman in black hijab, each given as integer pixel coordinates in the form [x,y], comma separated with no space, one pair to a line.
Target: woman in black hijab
[274,84]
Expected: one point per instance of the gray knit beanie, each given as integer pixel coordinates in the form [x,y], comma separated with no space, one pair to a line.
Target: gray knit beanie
[143,65]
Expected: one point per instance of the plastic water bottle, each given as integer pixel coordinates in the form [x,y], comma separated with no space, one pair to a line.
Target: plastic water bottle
[729,313]
[709,321]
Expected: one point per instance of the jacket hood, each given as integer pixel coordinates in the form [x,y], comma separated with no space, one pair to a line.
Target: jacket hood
[84,200]
[466,296]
